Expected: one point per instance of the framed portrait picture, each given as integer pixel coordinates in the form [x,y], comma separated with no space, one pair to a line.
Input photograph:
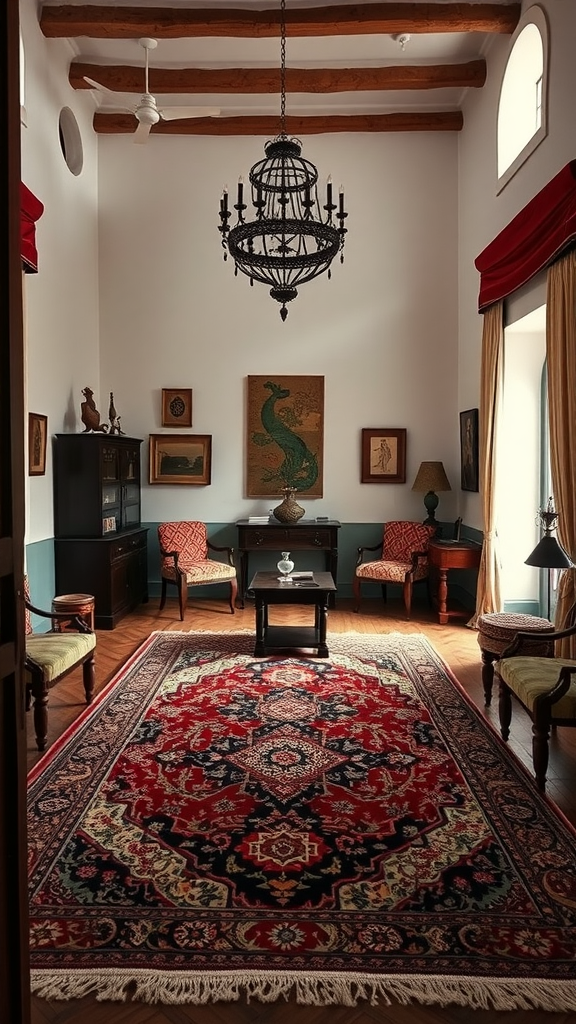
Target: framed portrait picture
[176,407]
[37,440]
[469,480]
[285,435]
[180,458]
[383,457]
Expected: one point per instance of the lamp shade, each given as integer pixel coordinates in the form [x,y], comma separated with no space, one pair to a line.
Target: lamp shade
[431,477]
[549,554]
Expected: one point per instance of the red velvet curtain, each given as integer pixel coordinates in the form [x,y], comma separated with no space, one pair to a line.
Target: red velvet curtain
[531,241]
[31,209]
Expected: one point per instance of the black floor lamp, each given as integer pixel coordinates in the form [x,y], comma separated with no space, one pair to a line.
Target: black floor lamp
[548,553]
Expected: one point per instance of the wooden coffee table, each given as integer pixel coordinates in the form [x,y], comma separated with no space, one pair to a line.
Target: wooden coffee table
[268,589]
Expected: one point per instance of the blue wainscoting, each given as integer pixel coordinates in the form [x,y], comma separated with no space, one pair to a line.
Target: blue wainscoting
[40,563]
[351,536]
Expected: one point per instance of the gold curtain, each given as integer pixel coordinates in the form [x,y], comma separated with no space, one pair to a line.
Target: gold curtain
[561,360]
[491,384]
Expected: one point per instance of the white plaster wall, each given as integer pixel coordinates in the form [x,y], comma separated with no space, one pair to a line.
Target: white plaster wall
[481,212]
[148,302]
[382,331]
[61,300]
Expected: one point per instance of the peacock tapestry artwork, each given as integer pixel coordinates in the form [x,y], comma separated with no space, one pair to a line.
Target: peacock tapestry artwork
[285,436]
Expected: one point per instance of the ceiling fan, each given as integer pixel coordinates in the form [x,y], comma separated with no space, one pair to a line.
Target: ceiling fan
[147,112]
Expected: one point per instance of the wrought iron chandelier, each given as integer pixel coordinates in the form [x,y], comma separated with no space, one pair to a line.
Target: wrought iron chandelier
[289,241]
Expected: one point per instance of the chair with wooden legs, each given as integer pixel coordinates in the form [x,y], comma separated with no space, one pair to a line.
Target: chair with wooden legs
[403,558]
[185,561]
[544,686]
[52,655]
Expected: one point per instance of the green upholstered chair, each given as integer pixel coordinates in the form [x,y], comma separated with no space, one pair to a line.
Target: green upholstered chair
[185,561]
[544,686]
[51,656]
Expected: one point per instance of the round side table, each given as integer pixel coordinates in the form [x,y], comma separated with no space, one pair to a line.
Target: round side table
[75,604]
[496,630]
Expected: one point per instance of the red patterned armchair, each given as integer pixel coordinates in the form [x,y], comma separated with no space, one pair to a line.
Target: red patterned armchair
[403,559]
[185,562]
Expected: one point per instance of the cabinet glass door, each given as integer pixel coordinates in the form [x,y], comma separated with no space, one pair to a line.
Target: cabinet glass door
[131,515]
[131,494]
[131,464]
[110,464]
[110,494]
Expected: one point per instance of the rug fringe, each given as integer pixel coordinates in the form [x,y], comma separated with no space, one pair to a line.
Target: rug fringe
[313,989]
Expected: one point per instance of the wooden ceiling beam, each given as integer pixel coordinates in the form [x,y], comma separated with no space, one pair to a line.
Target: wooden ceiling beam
[104,22]
[439,121]
[124,78]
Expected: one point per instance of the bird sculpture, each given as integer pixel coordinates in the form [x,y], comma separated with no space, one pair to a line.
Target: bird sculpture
[113,417]
[90,415]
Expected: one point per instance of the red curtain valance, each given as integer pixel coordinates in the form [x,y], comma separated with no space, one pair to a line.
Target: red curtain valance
[31,209]
[531,241]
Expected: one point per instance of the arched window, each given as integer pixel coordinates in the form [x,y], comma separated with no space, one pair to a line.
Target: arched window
[522,122]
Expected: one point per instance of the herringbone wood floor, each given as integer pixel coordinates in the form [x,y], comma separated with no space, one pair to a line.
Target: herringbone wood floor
[458,646]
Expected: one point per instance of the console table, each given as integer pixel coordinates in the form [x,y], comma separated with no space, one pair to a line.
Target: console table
[305,535]
[444,555]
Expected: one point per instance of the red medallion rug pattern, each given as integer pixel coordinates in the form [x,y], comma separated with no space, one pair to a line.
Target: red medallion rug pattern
[218,826]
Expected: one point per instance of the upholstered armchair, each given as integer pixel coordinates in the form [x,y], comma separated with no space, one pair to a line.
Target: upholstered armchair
[51,656]
[185,561]
[544,686]
[402,558]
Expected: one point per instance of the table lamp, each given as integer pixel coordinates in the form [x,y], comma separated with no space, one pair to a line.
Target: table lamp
[548,553]
[431,477]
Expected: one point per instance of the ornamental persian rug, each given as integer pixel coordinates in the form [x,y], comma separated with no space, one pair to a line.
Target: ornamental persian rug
[218,826]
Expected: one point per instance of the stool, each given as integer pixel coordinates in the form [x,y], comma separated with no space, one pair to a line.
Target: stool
[75,604]
[496,630]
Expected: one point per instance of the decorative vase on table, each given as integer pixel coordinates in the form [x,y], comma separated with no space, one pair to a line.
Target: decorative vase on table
[285,566]
[288,511]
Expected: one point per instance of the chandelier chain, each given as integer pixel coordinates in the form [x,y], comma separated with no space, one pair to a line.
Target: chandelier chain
[283,67]
[291,237]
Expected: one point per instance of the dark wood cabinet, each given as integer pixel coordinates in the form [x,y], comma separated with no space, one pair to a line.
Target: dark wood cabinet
[100,547]
[96,484]
[114,570]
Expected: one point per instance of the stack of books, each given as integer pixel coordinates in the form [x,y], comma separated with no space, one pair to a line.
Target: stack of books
[259,519]
[303,579]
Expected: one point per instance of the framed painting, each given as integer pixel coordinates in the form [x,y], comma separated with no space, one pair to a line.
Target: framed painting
[285,435]
[176,407]
[37,440]
[180,458]
[383,458]
[469,479]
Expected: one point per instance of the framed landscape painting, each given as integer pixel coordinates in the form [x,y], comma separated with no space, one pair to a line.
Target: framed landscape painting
[180,458]
[285,435]
[383,458]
